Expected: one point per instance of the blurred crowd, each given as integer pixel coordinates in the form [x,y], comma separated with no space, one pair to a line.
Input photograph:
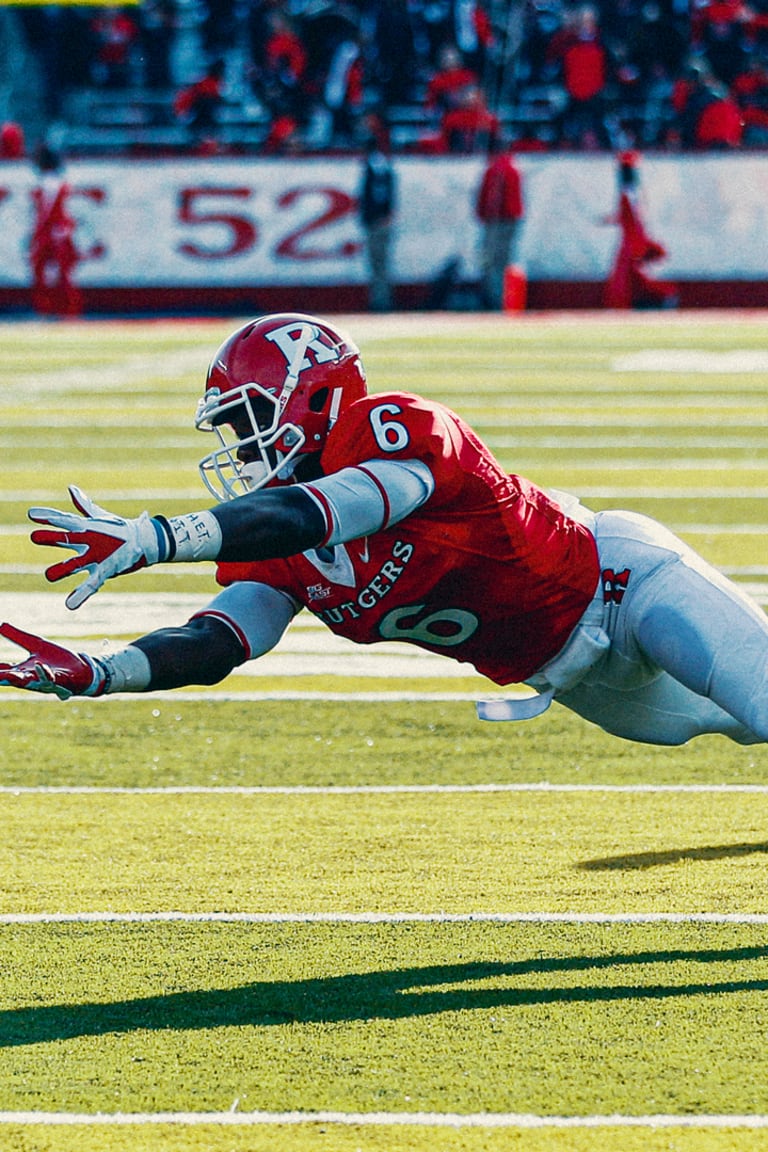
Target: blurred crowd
[549,74]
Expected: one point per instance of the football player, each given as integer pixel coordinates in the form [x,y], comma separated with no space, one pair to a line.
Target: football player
[388,518]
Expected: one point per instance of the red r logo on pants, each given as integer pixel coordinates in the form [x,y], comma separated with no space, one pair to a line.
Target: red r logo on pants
[614,585]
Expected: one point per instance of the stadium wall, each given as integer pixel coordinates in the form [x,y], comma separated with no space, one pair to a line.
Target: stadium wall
[256,234]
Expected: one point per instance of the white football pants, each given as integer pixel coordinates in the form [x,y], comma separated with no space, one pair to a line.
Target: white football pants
[688,650]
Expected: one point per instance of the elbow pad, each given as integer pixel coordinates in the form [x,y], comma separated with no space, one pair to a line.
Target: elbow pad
[364,499]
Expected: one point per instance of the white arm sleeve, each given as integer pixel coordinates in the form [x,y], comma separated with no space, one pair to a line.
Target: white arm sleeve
[361,500]
[256,613]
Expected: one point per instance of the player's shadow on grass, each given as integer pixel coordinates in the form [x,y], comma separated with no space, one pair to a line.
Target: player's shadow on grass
[640,860]
[384,995]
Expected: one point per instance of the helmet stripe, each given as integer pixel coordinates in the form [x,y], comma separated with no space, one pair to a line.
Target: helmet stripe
[301,343]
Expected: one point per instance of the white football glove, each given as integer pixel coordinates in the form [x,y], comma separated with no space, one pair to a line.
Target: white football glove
[104,543]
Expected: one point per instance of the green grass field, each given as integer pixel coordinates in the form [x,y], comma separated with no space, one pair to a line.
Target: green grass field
[321,906]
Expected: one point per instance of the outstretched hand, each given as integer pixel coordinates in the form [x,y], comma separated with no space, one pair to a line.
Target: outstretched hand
[50,668]
[105,544]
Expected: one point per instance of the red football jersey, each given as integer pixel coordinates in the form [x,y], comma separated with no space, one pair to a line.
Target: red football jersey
[489,570]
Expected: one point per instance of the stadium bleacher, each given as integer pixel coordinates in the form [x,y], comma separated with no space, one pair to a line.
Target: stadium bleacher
[57,83]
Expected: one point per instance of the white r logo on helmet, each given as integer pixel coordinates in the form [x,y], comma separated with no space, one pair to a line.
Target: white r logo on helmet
[296,341]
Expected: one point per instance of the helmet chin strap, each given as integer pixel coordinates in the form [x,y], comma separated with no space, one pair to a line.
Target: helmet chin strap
[256,473]
[333,414]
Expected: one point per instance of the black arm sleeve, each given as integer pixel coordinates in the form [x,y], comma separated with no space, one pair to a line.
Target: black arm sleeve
[269,523]
[202,651]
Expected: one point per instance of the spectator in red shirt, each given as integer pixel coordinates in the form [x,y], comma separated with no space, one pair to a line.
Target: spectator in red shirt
[584,70]
[283,138]
[716,12]
[197,104]
[533,138]
[285,52]
[708,115]
[446,89]
[278,68]
[750,89]
[471,127]
[720,125]
[115,33]
[484,37]
[499,208]
[584,63]
[12,145]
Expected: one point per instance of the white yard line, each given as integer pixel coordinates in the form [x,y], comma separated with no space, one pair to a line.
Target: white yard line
[656,440]
[307,648]
[694,492]
[722,529]
[703,361]
[370,789]
[114,374]
[180,917]
[604,418]
[385,1119]
[735,529]
[590,399]
[59,499]
[181,697]
[54,496]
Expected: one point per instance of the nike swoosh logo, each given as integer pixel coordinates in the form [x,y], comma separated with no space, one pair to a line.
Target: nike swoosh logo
[338,569]
[364,555]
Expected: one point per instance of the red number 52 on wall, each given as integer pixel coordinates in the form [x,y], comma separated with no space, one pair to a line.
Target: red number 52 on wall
[238,232]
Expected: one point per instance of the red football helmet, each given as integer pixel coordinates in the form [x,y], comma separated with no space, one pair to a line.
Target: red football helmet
[274,390]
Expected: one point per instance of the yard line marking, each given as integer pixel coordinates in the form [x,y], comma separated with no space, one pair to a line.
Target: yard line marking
[701,361]
[116,375]
[203,569]
[388,1119]
[368,789]
[178,917]
[48,495]
[630,440]
[107,417]
[148,495]
[600,419]
[403,696]
[750,529]
[607,464]
[660,493]
[120,419]
[722,529]
[736,570]
[591,398]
